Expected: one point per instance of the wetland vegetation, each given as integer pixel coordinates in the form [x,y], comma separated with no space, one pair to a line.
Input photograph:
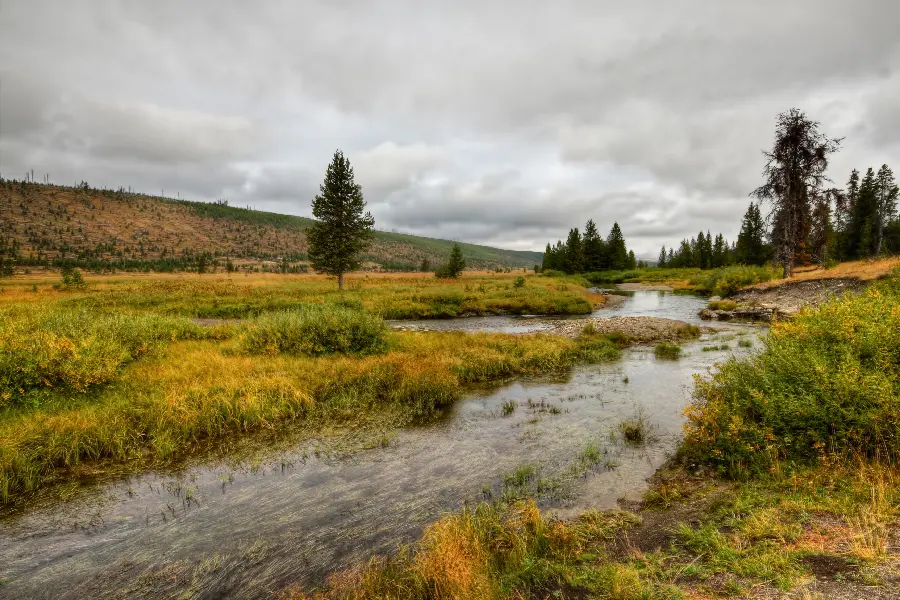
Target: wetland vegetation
[117,372]
[787,478]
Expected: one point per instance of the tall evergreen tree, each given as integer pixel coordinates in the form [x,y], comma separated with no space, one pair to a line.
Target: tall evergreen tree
[548,259]
[751,246]
[632,260]
[844,211]
[615,248]
[574,252]
[885,203]
[454,265]
[794,172]
[661,261]
[593,248]
[821,230]
[341,230]
[719,252]
[862,237]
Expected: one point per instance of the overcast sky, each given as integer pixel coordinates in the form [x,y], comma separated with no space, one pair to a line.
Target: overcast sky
[497,122]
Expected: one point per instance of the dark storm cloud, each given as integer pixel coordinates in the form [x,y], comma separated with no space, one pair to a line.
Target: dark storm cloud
[501,122]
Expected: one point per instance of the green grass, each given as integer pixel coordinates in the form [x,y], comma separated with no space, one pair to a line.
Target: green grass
[387,297]
[52,348]
[728,280]
[715,348]
[314,330]
[635,430]
[650,275]
[727,305]
[188,392]
[667,350]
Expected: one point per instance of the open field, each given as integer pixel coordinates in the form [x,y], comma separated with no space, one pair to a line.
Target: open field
[391,296]
[795,491]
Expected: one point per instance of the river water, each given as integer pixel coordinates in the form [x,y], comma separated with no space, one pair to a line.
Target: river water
[220,530]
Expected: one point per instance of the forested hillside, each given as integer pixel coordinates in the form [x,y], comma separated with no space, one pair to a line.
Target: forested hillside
[49,225]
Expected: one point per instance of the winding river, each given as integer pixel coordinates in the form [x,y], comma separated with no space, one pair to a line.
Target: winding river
[222,530]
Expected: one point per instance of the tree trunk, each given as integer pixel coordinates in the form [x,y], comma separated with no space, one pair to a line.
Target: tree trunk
[880,237]
[340,281]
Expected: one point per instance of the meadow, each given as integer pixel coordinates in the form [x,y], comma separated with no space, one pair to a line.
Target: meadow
[390,296]
[788,479]
[117,373]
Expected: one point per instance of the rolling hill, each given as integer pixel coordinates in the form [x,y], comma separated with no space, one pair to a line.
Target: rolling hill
[50,225]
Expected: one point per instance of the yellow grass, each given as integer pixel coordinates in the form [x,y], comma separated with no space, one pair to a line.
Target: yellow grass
[865,270]
[194,391]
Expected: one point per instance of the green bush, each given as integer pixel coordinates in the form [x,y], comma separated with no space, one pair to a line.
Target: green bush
[552,273]
[313,330]
[728,280]
[826,382]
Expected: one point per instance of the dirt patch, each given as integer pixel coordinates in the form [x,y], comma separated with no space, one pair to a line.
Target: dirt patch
[637,329]
[827,566]
[788,298]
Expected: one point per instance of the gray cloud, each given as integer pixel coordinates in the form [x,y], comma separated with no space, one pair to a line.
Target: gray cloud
[501,123]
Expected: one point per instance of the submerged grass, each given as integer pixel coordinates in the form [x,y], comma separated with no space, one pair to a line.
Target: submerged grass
[667,350]
[193,391]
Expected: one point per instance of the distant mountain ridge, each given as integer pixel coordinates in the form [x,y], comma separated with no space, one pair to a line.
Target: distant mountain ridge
[45,224]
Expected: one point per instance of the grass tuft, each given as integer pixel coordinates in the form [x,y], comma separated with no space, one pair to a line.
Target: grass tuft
[667,350]
[315,330]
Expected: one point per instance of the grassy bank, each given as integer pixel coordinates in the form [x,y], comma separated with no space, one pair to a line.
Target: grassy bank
[796,486]
[696,539]
[409,296]
[259,374]
[721,282]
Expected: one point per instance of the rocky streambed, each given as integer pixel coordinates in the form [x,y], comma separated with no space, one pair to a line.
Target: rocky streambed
[637,329]
[781,301]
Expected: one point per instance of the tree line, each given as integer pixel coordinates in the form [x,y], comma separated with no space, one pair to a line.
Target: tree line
[589,252]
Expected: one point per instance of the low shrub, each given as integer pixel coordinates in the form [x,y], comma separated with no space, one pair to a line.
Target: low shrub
[552,273]
[314,330]
[727,305]
[667,350]
[728,280]
[826,382]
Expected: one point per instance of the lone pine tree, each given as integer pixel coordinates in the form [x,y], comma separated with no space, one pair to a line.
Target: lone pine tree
[342,230]
[454,266]
[794,173]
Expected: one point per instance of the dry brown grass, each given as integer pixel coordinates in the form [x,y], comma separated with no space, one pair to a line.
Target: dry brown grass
[865,270]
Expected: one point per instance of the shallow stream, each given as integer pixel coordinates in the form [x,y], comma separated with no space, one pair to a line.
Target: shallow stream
[220,531]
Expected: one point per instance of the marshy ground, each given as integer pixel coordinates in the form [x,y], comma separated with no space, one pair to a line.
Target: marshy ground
[479,421]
